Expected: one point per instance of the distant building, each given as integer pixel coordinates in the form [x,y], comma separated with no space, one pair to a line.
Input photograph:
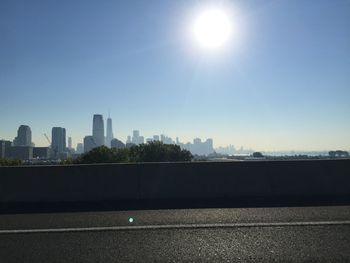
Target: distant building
[149,139]
[135,134]
[115,143]
[197,141]
[135,137]
[24,136]
[89,143]
[230,150]
[109,135]
[4,148]
[41,153]
[80,148]
[209,146]
[20,152]
[198,147]
[166,140]
[155,137]
[58,142]
[69,143]
[128,140]
[98,130]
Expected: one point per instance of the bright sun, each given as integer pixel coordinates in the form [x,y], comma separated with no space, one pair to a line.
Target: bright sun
[212,28]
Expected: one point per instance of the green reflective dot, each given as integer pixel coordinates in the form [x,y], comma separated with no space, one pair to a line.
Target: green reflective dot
[131,220]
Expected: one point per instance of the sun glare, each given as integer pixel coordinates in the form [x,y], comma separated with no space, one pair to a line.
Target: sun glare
[212,28]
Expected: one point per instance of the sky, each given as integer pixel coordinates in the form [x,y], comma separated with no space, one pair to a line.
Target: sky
[281,82]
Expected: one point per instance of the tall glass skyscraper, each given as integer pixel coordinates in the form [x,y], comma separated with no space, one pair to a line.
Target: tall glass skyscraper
[24,136]
[58,141]
[98,130]
[109,135]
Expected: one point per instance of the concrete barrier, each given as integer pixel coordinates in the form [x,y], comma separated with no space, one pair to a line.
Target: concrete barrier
[310,178]
[175,181]
[204,180]
[270,179]
[68,183]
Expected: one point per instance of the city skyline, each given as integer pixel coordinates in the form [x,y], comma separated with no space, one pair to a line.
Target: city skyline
[88,142]
[23,148]
[60,145]
[99,137]
[281,84]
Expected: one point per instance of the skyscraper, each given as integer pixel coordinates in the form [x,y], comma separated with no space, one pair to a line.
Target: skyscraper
[69,142]
[209,146]
[4,148]
[135,137]
[115,143]
[89,143]
[80,148]
[58,141]
[109,135]
[98,130]
[24,136]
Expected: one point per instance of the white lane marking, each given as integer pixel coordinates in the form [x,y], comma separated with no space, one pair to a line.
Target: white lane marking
[178,226]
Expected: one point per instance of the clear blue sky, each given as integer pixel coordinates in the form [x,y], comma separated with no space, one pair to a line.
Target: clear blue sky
[282,84]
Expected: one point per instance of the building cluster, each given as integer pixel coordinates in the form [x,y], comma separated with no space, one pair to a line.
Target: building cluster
[197,147]
[60,147]
[231,150]
[98,137]
[22,147]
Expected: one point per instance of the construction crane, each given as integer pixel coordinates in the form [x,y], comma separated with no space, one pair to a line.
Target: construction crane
[47,138]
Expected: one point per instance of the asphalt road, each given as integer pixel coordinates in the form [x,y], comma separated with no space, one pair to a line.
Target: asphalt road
[305,234]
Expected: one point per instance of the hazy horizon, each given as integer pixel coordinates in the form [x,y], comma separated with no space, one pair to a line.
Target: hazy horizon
[123,138]
[281,83]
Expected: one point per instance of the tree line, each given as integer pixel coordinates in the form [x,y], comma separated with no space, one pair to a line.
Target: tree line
[150,152]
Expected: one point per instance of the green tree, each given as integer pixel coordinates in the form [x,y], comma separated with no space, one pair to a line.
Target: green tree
[150,152]
[103,154]
[258,155]
[121,155]
[155,151]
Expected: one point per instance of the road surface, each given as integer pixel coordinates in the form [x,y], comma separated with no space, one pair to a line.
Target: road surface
[294,234]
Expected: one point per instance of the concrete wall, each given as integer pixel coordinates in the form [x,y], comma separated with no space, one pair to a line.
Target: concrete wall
[173,181]
[68,183]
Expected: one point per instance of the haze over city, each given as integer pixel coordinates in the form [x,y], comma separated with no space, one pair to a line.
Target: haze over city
[279,82]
